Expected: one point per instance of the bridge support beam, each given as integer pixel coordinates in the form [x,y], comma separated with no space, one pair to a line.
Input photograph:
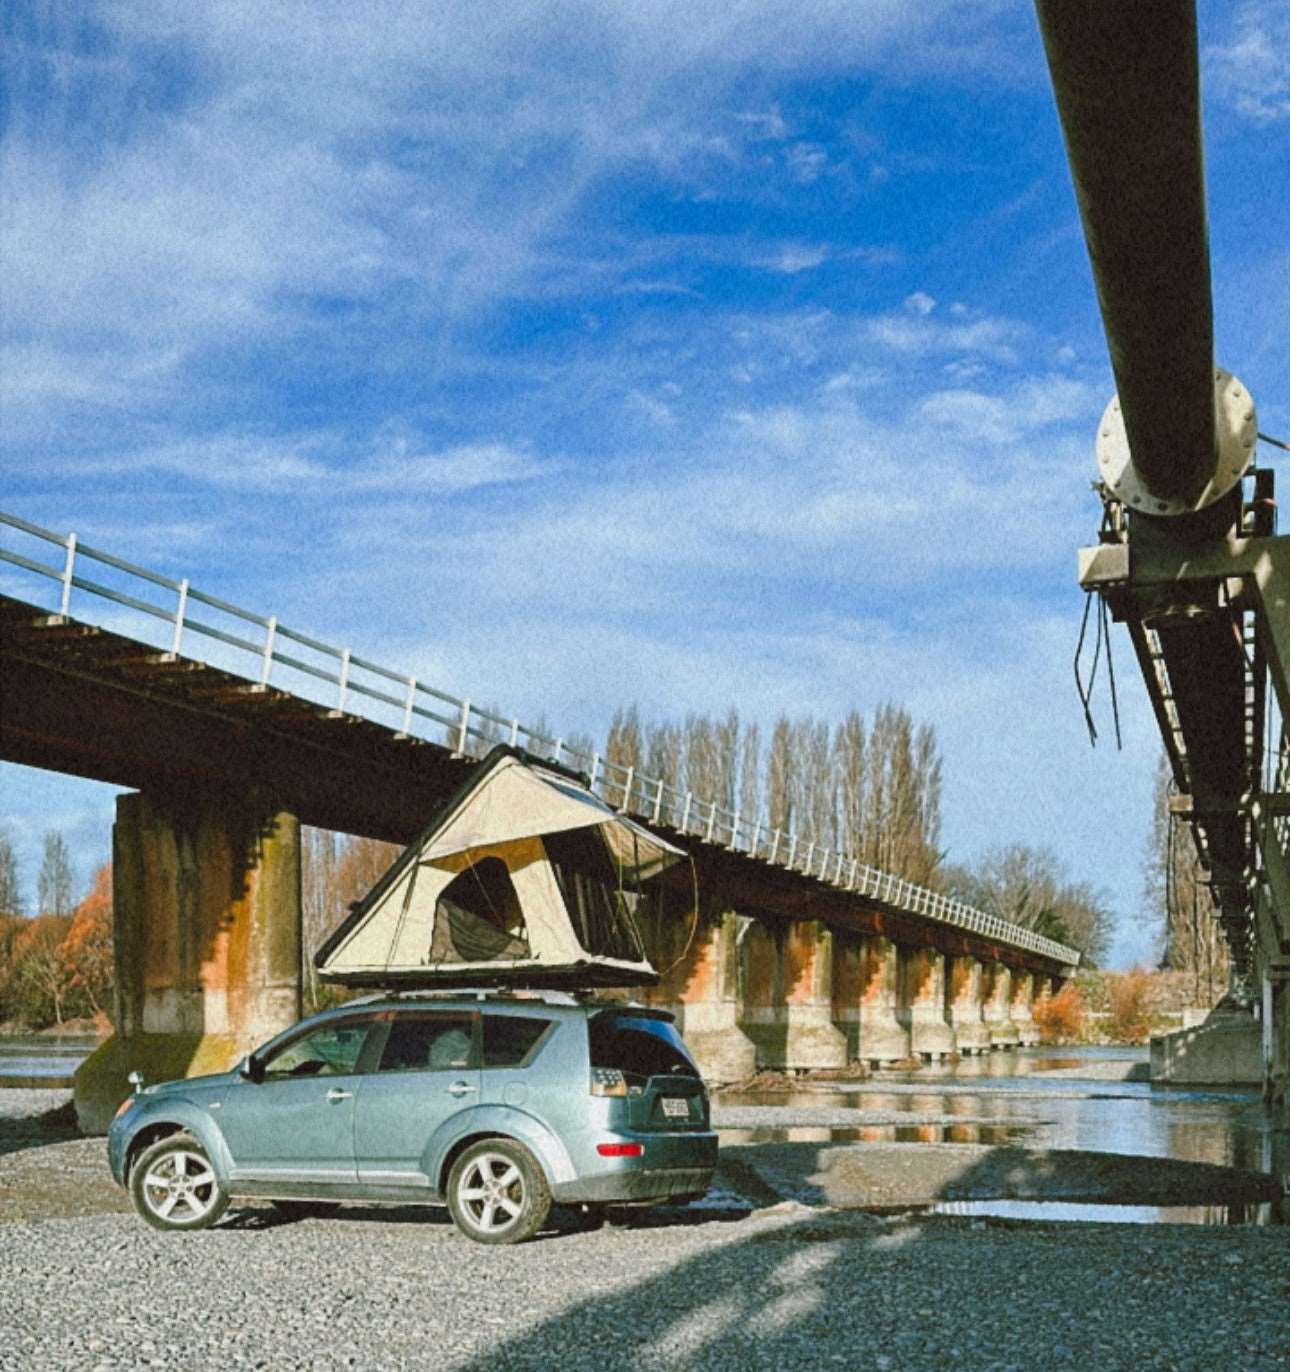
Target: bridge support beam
[963,1005]
[923,1002]
[700,987]
[882,1037]
[1023,996]
[997,980]
[206,911]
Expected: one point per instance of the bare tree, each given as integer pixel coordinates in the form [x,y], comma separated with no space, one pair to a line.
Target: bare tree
[781,777]
[10,891]
[624,750]
[54,881]
[1179,904]
[849,763]
[1030,887]
[750,776]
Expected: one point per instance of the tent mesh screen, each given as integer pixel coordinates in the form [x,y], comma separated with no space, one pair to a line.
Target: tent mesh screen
[599,909]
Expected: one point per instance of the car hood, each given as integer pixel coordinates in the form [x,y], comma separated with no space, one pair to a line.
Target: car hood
[216,1081]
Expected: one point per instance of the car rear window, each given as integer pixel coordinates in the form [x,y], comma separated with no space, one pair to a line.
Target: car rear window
[510,1040]
[639,1047]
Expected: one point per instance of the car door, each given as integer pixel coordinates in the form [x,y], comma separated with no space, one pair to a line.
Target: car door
[294,1124]
[428,1071]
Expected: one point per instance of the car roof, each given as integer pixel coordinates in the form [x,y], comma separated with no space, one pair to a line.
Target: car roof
[475,998]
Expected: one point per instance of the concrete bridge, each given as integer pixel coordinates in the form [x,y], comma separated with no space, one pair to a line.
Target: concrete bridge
[798,956]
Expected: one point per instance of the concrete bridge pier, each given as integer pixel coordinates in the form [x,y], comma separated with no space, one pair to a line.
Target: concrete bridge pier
[848,970]
[997,980]
[923,1003]
[206,918]
[700,987]
[1023,996]
[963,1005]
[787,998]
[811,1039]
[882,1036]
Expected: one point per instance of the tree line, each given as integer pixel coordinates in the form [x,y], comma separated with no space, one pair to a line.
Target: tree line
[871,789]
[56,964]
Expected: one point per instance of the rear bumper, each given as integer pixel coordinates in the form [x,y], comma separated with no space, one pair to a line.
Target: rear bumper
[656,1184]
[672,1165]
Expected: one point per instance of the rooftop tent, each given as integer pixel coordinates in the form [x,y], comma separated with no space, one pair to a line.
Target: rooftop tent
[523,877]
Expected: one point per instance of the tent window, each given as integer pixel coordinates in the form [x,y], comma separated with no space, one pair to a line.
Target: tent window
[477,917]
[599,908]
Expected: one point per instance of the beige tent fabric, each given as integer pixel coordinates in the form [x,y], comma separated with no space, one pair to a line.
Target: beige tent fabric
[519,801]
[503,817]
[397,932]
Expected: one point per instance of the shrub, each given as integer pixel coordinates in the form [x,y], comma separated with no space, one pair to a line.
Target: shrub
[1061,1017]
[1129,1018]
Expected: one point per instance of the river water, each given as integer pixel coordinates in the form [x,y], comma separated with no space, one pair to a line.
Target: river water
[1082,1098]
[1097,1099]
[39,1056]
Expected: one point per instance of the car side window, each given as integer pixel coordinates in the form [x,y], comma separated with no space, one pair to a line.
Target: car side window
[330,1050]
[429,1043]
[512,1040]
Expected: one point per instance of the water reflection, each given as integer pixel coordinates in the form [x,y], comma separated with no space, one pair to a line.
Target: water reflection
[882,1133]
[1229,1127]
[1264,1214]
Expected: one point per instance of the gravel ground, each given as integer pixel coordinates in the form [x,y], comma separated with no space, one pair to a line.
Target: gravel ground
[731,1286]
[786,1288]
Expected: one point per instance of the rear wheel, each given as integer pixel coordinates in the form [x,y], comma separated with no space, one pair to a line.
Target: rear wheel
[498,1193]
[173,1185]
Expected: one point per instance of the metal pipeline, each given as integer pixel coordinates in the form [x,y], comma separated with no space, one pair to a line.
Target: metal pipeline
[1126,79]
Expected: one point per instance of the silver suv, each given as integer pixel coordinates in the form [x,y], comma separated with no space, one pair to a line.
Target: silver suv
[495,1104]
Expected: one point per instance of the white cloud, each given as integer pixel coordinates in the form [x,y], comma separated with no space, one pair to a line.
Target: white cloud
[917,334]
[797,257]
[919,303]
[1250,71]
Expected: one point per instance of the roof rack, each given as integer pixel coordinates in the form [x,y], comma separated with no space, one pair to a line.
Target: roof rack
[550,997]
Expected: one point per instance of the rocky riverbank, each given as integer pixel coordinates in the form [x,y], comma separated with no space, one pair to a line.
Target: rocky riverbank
[774,1272]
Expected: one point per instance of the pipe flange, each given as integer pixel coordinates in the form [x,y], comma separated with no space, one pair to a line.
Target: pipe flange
[1236,425]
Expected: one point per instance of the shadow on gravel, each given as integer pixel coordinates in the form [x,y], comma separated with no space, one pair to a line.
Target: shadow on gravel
[564,1220]
[35,1131]
[848,1290]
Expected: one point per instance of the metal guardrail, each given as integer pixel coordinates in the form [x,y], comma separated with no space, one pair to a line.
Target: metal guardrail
[256,646]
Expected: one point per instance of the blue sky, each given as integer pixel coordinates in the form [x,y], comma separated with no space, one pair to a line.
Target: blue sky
[580,353]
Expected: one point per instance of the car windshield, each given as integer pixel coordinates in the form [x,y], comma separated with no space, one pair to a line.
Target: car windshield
[639,1047]
[331,1050]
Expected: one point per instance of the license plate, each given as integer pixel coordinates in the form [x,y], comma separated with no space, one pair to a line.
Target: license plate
[676,1107]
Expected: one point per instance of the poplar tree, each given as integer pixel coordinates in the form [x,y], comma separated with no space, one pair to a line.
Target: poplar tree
[54,881]
[10,892]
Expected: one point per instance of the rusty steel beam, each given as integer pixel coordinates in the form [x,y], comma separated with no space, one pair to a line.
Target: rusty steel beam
[1126,80]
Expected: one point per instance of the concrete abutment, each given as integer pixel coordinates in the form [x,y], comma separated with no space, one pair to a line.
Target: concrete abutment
[206,920]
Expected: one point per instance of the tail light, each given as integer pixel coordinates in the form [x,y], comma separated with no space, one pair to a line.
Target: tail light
[620,1150]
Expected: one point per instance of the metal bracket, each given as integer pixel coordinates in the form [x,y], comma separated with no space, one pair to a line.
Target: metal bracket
[1104,566]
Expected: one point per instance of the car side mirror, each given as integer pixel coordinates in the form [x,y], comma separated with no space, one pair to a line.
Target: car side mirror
[251,1068]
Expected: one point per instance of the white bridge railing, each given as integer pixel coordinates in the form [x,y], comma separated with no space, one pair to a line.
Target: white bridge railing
[264,652]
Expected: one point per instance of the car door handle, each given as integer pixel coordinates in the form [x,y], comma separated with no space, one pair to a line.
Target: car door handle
[461,1088]
[334,1095]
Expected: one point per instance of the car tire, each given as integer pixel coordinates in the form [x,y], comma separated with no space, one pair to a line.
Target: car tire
[498,1193]
[305,1209]
[174,1187]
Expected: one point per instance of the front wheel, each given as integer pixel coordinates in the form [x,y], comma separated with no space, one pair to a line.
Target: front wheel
[173,1185]
[498,1193]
